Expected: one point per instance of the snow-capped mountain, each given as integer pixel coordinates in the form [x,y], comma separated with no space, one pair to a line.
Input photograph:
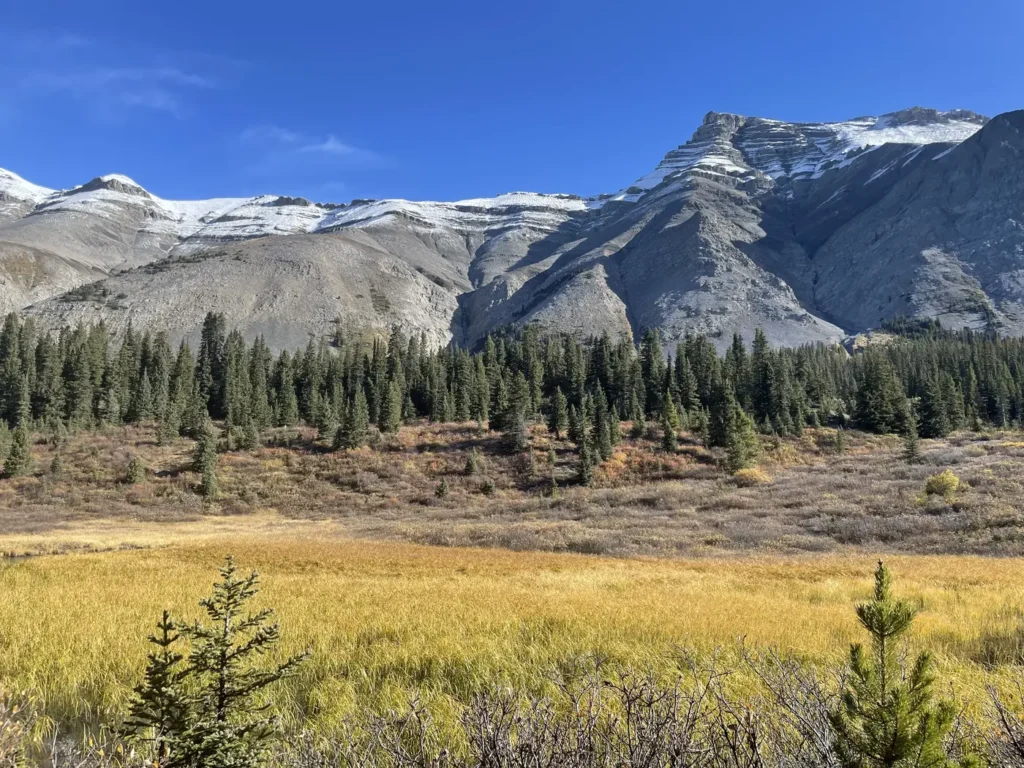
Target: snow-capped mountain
[737,228]
[746,148]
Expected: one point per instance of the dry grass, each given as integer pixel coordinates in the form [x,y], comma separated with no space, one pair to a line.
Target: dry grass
[643,502]
[386,621]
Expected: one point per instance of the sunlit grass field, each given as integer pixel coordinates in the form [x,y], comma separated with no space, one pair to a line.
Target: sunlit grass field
[388,621]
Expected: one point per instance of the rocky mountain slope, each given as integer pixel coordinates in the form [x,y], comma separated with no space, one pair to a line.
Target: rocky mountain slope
[810,231]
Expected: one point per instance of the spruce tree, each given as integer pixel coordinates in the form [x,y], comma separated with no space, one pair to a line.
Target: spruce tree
[585,468]
[559,420]
[206,709]
[934,413]
[887,716]
[391,409]
[669,438]
[602,427]
[204,461]
[911,444]
[742,445]
[19,457]
[515,438]
[159,710]
[136,471]
[357,423]
[250,434]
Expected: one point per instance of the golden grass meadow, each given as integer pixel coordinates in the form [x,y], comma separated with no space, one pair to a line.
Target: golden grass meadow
[390,621]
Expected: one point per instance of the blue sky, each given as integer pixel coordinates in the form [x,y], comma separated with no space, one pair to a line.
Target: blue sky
[449,100]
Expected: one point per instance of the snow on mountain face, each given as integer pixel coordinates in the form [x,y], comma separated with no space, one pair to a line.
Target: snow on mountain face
[17,196]
[726,146]
[205,221]
[742,148]
[525,209]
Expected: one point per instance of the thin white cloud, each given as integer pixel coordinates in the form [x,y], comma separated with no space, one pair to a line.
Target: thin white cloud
[94,75]
[330,146]
[156,88]
[283,151]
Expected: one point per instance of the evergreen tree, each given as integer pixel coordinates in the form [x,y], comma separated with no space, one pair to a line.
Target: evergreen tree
[559,419]
[136,471]
[887,717]
[159,710]
[669,438]
[742,445]
[358,422]
[391,409]
[204,461]
[19,457]
[934,414]
[515,438]
[219,722]
[911,446]
[585,469]
[602,427]
[250,435]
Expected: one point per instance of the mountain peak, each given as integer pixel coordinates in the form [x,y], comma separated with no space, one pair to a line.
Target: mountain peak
[114,182]
[923,116]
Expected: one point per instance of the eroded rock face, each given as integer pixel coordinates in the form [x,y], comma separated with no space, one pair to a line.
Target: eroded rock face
[810,231]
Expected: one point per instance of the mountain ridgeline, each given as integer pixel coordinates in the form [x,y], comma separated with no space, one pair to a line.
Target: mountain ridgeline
[810,231]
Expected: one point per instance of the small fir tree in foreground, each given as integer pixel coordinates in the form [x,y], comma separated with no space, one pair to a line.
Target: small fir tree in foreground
[887,716]
[159,711]
[206,709]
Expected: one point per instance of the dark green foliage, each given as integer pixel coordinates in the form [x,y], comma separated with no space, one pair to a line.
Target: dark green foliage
[205,710]
[136,471]
[441,491]
[840,443]
[473,463]
[669,438]
[250,434]
[911,444]
[81,379]
[515,438]
[934,411]
[558,421]
[887,717]
[585,467]
[391,409]
[159,714]
[742,446]
[19,456]
[602,427]
[354,432]
[204,461]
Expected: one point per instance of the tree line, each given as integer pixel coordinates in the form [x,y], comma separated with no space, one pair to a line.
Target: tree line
[928,379]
